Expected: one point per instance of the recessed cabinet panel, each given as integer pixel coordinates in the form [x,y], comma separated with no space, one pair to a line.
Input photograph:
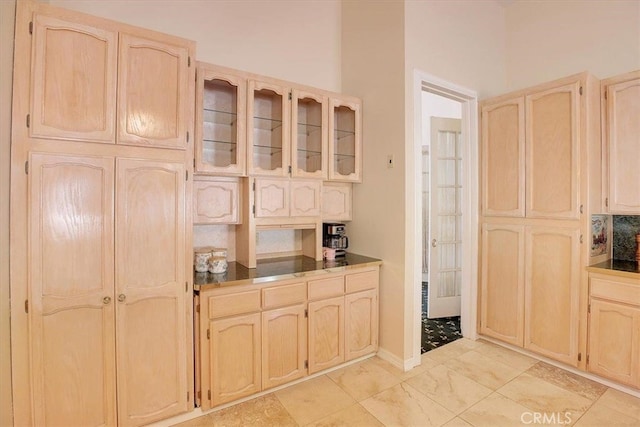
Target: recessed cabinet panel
[552,286]
[272,198]
[305,197]
[345,151]
[361,323]
[153,93]
[216,202]
[326,334]
[552,182]
[74,95]
[623,135]
[220,122]
[503,158]
[337,201]
[268,118]
[71,300]
[309,135]
[150,290]
[502,283]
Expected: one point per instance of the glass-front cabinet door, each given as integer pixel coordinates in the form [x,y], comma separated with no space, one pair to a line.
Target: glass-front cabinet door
[345,146]
[268,115]
[220,122]
[309,135]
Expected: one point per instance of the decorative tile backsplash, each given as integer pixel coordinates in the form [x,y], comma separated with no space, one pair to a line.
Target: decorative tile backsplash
[625,228]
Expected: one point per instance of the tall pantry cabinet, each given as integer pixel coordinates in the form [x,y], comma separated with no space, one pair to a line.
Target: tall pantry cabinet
[540,161]
[100,203]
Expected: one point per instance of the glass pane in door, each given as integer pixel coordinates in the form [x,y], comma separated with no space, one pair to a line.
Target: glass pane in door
[267,130]
[220,123]
[344,141]
[309,135]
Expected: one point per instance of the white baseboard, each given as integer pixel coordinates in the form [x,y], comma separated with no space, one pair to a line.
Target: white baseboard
[402,364]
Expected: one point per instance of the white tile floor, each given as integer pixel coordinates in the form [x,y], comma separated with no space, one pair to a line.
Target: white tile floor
[460,384]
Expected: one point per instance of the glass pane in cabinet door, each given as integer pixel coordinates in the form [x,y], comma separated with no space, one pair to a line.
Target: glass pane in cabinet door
[267,130]
[344,140]
[309,135]
[220,124]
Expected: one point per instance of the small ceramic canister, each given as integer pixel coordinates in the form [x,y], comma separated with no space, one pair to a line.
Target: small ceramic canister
[201,259]
[218,262]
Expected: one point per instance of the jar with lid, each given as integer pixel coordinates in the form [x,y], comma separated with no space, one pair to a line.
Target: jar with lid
[218,261]
[201,259]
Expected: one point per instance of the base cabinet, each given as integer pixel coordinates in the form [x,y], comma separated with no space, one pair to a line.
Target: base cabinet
[614,329]
[255,337]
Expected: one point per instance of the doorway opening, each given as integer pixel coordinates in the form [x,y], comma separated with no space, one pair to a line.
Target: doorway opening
[455,207]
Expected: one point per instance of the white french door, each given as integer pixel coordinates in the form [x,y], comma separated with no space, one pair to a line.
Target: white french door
[445,266]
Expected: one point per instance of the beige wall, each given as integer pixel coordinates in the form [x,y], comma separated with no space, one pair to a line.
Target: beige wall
[297,41]
[7,14]
[552,39]
[373,69]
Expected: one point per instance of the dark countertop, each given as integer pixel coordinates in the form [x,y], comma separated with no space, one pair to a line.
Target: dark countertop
[617,267]
[273,269]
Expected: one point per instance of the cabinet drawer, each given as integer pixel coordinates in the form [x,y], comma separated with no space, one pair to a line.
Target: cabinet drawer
[227,305]
[280,296]
[615,291]
[326,288]
[361,281]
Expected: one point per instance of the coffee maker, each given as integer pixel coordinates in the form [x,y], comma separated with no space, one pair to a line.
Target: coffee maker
[333,237]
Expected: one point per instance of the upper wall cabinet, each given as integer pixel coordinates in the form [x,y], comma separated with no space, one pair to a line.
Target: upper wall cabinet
[268,137]
[309,135]
[621,141]
[74,96]
[530,153]
[220,122]
[345,147]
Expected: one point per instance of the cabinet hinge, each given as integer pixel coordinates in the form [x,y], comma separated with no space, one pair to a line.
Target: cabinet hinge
[306,312]
[198,308]
[199,394]
[188,61]
[253,209]
[606,201]
[289,169]
[254,186]
[579,357]
[589,308]
[290,97]
[194,162]
[208,334]
[209,394]
[605,93]
[581,208]
[587,359]
[26,167]
[188,396]
[306,364]
[186,175]
[187,137]
[26,306]
[28,120]
[31,27]
[580,90]
[186,286]
[581,239]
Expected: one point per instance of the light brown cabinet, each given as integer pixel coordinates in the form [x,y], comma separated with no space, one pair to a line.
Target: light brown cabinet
[345,139]
[540,171]
[216,200]
[337,203]
[221,135]
[614,328]
[102,203]
[287,198]
[108,89]
[258,336]
[621,142]
[123,317]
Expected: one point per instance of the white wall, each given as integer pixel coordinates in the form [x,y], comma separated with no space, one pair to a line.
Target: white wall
[552,39]
[437,106]
[297,41]
[7,14]
[373,69]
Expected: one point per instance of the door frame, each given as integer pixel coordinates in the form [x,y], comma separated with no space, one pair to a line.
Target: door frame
[423,81]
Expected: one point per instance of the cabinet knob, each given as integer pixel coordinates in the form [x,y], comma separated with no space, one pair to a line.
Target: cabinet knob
[122,297]
[106,300]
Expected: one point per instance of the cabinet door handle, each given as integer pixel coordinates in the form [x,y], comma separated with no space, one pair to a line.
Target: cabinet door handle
[434,243]
[122,297]
[106,300]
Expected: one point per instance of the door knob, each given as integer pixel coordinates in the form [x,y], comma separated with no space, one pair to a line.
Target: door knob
[434,243]
[106,300]
[122,297]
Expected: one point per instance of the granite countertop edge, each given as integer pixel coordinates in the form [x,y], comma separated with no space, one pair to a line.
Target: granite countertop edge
[280,269]
[616,268]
